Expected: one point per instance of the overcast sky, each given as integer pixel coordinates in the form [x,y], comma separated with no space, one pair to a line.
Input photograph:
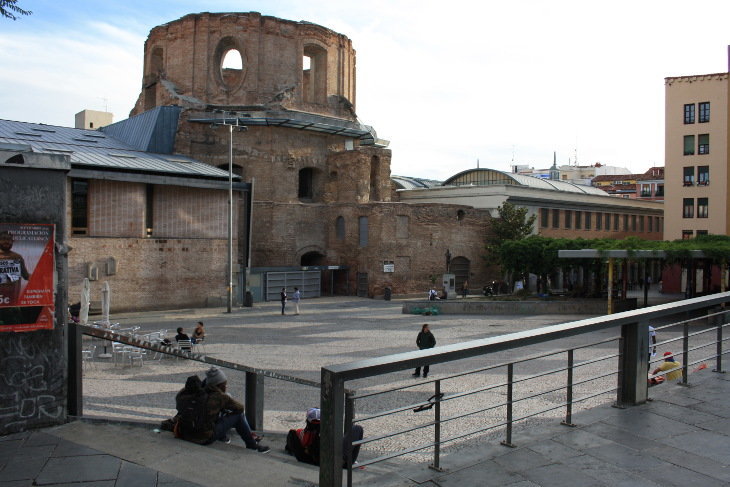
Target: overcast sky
[448,83]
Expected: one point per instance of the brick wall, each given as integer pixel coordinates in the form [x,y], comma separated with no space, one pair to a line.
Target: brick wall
[151,273]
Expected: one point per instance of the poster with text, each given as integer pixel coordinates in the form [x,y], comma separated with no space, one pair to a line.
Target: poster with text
[27,268]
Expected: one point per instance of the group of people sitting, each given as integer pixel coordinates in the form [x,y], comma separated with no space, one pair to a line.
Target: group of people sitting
[206,413]
[198,335]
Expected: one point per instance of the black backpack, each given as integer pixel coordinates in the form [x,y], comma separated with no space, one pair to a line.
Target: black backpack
[192,410]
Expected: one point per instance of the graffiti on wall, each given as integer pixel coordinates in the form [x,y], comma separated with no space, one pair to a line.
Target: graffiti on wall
[31,382]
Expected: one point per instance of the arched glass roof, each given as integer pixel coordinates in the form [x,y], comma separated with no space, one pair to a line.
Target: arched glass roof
[489,177]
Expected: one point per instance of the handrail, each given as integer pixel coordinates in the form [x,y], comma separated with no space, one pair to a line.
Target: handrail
[198,357]
[631,373]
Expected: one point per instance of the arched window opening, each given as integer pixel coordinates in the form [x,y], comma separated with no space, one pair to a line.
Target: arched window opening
[306,184]
[363,231]
[460,215]
[232,60]
[314,74]
[340,228]
[312,258]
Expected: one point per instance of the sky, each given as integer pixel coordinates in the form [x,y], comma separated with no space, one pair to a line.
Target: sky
[449,84]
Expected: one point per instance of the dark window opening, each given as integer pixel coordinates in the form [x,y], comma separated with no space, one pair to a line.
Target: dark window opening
[306,186]
[704,112]
[544,217]
[688,208]
[556,218]
[689,145]
[703,175]
[703,205]
[79,207]
[149,210]
[363,231]
[689,113]
[703,144]
[568,219]
[340,228]
[689,176]
[588,220]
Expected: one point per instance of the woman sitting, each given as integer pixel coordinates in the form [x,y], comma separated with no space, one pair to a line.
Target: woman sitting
[198,333]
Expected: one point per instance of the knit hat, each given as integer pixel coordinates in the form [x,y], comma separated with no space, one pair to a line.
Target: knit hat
[214,376]
[313,415]
[668,356]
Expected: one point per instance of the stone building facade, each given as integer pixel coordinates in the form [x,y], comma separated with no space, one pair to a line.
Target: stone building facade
[322,194]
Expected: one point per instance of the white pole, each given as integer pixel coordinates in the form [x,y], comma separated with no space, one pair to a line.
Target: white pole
[230,221]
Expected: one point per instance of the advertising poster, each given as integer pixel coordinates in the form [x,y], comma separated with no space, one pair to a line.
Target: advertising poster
[26,276]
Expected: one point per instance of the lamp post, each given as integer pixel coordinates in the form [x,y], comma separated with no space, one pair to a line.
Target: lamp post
[240,128]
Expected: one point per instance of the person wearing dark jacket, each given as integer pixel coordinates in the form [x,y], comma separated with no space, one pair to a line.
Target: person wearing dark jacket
[223,413]
[425,339]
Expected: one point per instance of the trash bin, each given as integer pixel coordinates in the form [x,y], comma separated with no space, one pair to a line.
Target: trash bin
[387,293]
[248,300]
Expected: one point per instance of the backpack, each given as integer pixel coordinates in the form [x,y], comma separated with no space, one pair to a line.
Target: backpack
[192,411]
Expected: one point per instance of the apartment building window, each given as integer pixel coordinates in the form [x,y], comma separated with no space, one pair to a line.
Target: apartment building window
[687,234]
[702,207]
[578,220]
[599,221]
[79,207]
[588,220]
[544,217]
[659,190]
[646,191]
[703,144]
[703,175]
[568,219]
[704,112]
[689,176]
[702,232]
[556,218]
[615,222]
[689,113]
[688,208]
[689,145]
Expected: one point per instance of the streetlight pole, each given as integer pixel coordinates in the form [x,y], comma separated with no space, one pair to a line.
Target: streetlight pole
[241,128]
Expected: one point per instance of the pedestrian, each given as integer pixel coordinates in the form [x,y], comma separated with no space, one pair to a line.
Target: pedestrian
[465,289]
[432,294]
[295,298]
[282,295]
[425,339]
[652,342]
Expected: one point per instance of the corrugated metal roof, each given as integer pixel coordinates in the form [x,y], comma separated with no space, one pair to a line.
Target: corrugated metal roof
[486,177]
[407,182]
[96,149]
[151,131]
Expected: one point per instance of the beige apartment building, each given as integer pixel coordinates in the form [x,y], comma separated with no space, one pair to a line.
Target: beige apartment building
[696,156]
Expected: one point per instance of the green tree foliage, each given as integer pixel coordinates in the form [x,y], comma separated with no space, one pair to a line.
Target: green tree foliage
[511,224]
[9,9]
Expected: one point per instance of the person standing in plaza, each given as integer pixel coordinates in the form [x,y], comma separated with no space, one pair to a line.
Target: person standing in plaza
[295,299]
[282,295]
[425,339]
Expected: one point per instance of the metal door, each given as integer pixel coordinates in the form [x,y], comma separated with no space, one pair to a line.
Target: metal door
[308,282]
[362,284]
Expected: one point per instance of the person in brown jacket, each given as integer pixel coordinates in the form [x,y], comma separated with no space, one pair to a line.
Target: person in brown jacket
[225,413]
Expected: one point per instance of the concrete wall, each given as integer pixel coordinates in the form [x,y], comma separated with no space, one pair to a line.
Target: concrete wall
[571,307]
[33,369]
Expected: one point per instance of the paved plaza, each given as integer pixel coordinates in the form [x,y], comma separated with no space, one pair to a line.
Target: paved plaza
[679,438]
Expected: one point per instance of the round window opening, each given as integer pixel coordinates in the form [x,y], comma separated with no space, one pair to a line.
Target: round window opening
[232,60]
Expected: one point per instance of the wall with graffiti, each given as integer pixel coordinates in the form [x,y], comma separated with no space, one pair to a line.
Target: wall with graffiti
[33,356]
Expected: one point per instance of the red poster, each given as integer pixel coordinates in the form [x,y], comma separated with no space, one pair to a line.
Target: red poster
[26,276]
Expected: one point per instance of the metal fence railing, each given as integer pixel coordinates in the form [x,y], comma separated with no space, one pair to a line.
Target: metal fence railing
[254,377]
[510,386]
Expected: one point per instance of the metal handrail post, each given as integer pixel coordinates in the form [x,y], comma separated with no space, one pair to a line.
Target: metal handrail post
[718,367]
[349,416]
[569,392]
[634,365]
[685,353]
[254,395]
[74,396]
[510,381]
[437,427]
[332,406]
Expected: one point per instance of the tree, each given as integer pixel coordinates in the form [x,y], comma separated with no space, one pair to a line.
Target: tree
[9,9]
[511,224]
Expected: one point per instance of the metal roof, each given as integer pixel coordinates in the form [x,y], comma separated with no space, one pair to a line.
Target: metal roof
[151,131]
[97,150]
[407,182]
[487,177]
[312,122]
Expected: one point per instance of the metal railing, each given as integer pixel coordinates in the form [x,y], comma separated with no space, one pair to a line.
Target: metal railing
[254,383]
[628,380]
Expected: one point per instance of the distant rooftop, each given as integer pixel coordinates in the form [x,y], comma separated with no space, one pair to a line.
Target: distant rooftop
[489,177]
